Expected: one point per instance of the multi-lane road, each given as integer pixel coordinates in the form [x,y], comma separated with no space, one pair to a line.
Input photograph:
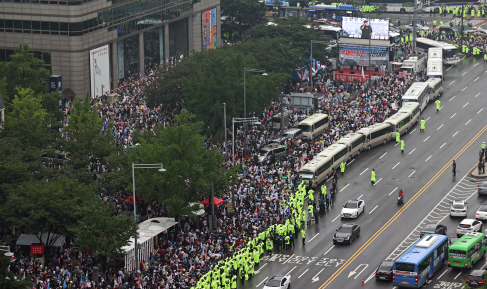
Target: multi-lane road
[424,172]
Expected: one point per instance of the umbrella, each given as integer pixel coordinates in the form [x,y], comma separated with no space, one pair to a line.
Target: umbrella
[131,200]
[216,201]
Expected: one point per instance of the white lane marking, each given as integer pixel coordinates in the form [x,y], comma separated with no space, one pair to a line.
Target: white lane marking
[455,134]
[314,237]
[412,131]
[453,115]
[442,274]
[383,155]
[477,77]
[452,98]
[392,191]
[260,268]
[329,249]
[377,181]
[316,278]
[442,145]
[478,93]
[364,171]
[396,144]
[288,259]
[446,70]
[426,138]
[476,64]
[373,209]
[458,275]
[411,174]
[396,165]
[412,151]
[463,73]
[441,107]
[370,277]
[344,188]
[464,88]
[360,197]
[468,121]
[350,162]
[451,82]
[480,110]
[465,104]
[427,118]
[440,127]
[428,158]
[291,270]
[336,218]
[258,285]
[303,273]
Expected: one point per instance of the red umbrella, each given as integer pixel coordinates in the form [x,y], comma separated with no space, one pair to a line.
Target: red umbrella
[216,201]
[131,200]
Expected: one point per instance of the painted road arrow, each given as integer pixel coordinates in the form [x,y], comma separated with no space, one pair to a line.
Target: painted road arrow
[316,278]
[357,270]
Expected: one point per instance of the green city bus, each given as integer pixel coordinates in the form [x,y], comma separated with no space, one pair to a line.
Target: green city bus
[467,250]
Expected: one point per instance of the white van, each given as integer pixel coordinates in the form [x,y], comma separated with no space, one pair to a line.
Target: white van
[413,109]
[355,143]
[337,154]
[376,134]
[316,171]
[436,87]
[313,125]
[400,122]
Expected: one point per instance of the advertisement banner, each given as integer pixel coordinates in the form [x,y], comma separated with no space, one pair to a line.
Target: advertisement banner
[359,55]
[121,64]
[99,71]
[37,250]
[209,31]
[365,28]
[55,83]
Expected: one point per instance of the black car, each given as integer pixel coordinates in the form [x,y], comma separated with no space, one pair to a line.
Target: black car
[384,272]
[346,233]
[433,229]
[476,278]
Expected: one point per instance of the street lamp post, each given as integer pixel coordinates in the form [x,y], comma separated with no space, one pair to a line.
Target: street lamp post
[245,97]
[311,55]
[236,120]
[140,166]
[9,254]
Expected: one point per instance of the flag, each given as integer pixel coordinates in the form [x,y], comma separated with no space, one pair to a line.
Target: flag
[287,212]
[105,125]
[81,281]
[64,285]
[316,66]
[301,74]
[363,74]
[255,213]
[310,67]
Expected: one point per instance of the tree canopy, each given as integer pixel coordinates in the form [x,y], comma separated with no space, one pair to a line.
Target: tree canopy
[240,15]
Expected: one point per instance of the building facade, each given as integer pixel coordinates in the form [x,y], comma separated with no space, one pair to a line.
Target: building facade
[86,41]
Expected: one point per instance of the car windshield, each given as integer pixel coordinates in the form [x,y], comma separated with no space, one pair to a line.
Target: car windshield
[458,206]
[483,208]
[306,176]
[351,205]
[273,283]
[385,267]
[405,267]
[305,127]
[263,153]
[464,225]
[345,230]
[475,277]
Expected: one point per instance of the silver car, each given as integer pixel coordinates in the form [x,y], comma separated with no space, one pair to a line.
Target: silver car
[481,213]
[458,208]
[278,282]
[482,189]
[468,225]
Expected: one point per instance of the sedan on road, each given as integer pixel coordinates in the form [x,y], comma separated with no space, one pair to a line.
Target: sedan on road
[346,233]
[458,208]
[352,209]
[482,189]
[481,213]
[476,278]
[279,282]
[384,271]
[469,225]
[433,229]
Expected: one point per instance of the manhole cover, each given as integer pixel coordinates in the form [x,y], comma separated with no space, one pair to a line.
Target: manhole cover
[393,178]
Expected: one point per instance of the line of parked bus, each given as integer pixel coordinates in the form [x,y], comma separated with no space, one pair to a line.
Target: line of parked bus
[321,167]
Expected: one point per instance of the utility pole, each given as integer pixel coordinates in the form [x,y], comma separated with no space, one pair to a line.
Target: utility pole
[414,24]
[282,115]
[370,79]
[225,124]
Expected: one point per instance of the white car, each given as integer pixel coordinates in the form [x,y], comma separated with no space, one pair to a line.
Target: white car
[481,213]
[419,27]
[458,208]
[469,225]
[278,282]
[352,209]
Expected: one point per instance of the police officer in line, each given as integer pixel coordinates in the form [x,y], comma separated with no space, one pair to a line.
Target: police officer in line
[423,123]
[438,103]
[402,146]
[483,149]
[342,167]
[372,177]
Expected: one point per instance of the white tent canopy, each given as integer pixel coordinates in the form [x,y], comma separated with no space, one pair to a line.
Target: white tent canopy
[28,239]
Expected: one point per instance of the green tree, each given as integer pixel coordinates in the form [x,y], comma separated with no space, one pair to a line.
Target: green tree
[45,207]
[190,166]
[9,279]
[101,231]
[240,15]
[25,104]
[380,9]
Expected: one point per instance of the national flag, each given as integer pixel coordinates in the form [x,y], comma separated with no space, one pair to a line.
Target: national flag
[105,124]
[255,213]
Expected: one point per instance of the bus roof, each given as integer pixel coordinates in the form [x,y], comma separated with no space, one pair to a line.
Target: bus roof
[314,164]
[329,28]
[346,7]
[408,107]
[433,81]
[372,127]
[467,241]
[415,90]
[422,249]
[312,119]
[435,43]
[332,150]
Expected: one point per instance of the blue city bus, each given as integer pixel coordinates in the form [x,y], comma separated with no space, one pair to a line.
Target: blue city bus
[327,11]
[420,262]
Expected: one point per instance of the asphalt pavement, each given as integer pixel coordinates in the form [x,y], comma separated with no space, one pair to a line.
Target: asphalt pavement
[423,172]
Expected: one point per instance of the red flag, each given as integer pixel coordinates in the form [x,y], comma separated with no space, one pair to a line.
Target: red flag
[301,74]
[310,67]
[316,66]
[255,213]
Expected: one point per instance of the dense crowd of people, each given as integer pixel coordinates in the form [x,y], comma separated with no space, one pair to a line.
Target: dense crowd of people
[189,254]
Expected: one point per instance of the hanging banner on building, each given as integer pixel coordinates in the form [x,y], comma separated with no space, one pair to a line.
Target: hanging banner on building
[209,31]
[121,64]
[99,71]
[55,83]
[359,55]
